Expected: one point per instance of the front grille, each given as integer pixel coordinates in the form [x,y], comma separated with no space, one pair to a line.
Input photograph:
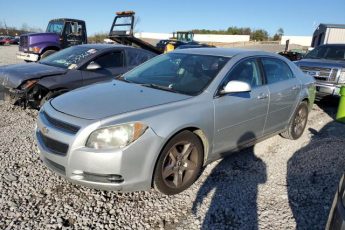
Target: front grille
[23,41]
[321,74]
[66,127]
[54,146]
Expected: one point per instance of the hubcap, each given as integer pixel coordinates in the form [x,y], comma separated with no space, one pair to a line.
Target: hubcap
[300,121]
[180,164]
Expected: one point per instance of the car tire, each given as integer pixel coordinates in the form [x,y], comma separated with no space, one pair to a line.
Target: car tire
[179,164]
[50,95]
[47,53]
[298,122]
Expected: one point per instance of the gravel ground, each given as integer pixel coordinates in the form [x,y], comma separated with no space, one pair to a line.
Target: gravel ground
[8,55]
[277,184]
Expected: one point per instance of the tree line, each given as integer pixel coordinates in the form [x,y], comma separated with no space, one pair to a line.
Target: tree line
[15,31]
[255,34]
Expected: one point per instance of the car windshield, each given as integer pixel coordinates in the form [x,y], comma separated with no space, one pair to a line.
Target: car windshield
[55,27]
[69,58]
[327,52]
[178,72]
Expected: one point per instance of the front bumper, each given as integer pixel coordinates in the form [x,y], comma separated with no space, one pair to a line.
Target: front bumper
[28,56]
[327,89]
[128,169]
[336,218]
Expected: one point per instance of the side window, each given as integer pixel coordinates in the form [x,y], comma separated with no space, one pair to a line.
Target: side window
[136,57]
[276,70]
[110,60]
[246,71]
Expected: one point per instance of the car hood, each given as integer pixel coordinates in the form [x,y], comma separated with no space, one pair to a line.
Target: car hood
[103,100]
[12,76]
[321,63]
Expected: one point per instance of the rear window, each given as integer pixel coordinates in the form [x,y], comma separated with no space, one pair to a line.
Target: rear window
[276,70]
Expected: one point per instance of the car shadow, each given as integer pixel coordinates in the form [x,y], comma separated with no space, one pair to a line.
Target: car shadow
[234,185]
[313,173]
[329,105]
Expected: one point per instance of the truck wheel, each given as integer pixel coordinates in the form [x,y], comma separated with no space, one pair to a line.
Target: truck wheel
[179,164]
[47,53]
[298,122]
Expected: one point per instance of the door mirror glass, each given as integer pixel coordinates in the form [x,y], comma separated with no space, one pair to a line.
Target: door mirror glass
[236,87]
[93,66]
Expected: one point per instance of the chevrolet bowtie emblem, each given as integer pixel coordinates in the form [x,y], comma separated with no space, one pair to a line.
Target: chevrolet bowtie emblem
[45,130]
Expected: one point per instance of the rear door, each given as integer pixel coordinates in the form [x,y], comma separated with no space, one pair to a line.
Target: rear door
[112,65]
[284,89]
[240,117]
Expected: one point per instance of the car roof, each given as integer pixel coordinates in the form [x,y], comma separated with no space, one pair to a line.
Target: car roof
[224,52]
[104,46]
[66,19]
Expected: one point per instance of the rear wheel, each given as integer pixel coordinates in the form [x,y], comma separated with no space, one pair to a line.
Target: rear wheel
[297,123]
[179,164]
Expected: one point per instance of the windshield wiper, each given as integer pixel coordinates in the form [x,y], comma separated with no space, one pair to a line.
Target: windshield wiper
[161,87]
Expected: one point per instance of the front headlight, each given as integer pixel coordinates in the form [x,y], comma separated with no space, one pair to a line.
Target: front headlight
[341,79]
[28,84]
[115,136]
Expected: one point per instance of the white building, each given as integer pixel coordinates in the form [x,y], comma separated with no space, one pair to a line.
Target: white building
[329,34]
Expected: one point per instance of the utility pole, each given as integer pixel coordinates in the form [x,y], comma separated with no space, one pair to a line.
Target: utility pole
[6,27]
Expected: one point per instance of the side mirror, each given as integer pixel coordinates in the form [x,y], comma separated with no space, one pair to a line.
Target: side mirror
[93,66]
[236,87]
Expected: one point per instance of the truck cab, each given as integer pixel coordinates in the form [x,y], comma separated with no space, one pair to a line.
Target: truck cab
[326,63]
[60,33]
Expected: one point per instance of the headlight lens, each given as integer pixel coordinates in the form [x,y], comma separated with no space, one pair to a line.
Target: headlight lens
[35,49]
[341,79]
[115,136]
[29,84]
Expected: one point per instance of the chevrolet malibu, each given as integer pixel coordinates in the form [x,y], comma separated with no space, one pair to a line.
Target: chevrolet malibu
[159,124]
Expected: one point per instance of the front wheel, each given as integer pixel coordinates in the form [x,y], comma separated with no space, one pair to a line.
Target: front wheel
[50,95]
[179,164]
[298,122]
[47,53]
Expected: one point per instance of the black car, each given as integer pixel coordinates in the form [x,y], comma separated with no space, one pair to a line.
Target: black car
[336,219]
[34,83]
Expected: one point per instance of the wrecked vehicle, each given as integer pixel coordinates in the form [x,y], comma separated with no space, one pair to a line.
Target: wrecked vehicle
[34,83]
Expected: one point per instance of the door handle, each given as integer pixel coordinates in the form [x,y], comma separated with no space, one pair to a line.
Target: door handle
[262,96]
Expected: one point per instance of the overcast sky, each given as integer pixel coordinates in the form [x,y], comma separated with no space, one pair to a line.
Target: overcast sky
[296,17]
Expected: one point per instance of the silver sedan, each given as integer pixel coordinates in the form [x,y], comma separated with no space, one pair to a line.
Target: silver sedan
[159,124]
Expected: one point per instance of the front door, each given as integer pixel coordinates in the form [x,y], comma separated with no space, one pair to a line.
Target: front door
[73,34]
[240,117]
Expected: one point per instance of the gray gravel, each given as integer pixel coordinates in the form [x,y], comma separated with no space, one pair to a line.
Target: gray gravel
[278,184]
[8,55]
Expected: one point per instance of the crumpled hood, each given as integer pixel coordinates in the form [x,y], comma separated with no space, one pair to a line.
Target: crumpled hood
[12,76]
[103,100]
[321,63]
